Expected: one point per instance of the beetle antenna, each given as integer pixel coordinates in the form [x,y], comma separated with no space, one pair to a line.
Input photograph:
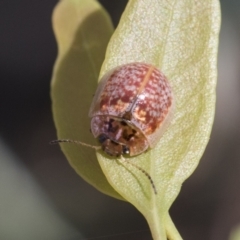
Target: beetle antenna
[75,142]
[143,171]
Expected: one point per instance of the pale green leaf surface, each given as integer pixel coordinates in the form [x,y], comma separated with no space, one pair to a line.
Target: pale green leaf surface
[181,38]
[235,233]
[82,29]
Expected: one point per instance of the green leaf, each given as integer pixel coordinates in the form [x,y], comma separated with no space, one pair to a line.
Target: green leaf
[235,233]
[179,37]
[82,29]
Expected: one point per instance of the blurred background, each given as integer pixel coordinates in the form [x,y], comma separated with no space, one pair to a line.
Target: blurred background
[41,197]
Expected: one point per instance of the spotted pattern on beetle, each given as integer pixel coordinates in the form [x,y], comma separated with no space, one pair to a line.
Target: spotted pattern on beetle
[131,109]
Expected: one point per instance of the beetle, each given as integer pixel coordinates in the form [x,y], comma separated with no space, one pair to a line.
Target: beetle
[131,109]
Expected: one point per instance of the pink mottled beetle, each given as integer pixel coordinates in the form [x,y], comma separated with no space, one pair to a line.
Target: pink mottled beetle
[131,109]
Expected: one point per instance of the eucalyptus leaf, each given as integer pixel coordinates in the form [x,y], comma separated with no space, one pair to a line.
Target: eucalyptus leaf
[181,39]
[235,233]
[82,29]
